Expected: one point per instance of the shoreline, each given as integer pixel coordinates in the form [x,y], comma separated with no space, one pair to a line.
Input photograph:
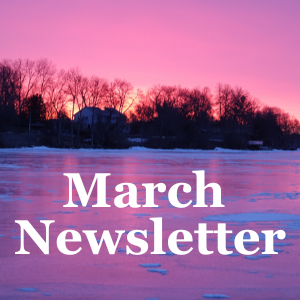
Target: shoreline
[145,149]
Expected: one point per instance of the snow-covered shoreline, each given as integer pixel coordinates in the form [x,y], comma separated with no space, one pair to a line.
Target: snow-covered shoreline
[144,149]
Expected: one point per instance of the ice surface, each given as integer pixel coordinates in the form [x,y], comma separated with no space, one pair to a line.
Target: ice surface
[161,271]
[215,296]
[150,265]
[264,256]
[142,215]
[6,198]
[251,257]
[168,253]
[283,244]
[28,289]
[261,236]
[269,178]
[275,249]
[119,249]
[253,217]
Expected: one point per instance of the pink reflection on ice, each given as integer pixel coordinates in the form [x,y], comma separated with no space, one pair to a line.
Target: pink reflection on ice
[34,187]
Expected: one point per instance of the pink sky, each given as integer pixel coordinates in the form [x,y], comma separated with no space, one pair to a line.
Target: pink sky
[192,43]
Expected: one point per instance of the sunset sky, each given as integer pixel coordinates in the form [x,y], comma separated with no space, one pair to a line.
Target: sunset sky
[192,43]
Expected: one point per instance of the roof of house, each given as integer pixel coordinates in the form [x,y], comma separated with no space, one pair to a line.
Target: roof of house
[96,110]
[106,112]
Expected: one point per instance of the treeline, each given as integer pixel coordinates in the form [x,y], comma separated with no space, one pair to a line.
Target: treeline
[36,91]
[198,118]
[163,116]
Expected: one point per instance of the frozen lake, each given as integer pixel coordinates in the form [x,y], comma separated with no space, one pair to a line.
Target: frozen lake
[260,191]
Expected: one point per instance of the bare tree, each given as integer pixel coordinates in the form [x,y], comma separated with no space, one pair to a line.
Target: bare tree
[98,92]
[57,98]
[73,81]
[81,101]
[7,91]
[84,88]
[144,108]
[120,95]
[31,78]
[20,77]
[223,100]
[45,72]
[200,103]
